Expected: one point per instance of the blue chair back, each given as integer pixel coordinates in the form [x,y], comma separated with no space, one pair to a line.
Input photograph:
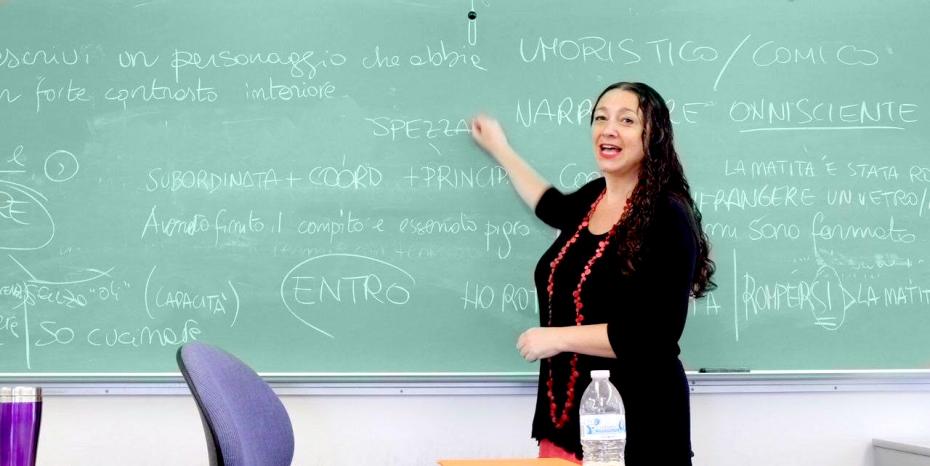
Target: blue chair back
[243,419]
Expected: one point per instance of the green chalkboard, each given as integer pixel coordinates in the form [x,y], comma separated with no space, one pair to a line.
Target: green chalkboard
[295,180]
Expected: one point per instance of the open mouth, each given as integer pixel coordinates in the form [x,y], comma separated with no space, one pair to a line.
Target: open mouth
[609,151]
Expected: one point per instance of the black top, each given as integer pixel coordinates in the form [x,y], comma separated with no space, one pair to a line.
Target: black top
[645,315]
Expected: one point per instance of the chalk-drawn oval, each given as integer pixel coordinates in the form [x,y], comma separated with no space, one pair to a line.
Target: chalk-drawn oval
[318,289]
[26,224]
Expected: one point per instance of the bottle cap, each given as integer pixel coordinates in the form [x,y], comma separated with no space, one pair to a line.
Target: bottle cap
[6,395]
[27,394]
[600,374]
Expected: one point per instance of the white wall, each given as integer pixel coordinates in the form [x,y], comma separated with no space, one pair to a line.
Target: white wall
[759,429]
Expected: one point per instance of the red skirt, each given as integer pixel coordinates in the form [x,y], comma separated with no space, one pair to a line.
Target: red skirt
[548,449]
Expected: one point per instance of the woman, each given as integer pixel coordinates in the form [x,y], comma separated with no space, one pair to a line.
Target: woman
[614,286]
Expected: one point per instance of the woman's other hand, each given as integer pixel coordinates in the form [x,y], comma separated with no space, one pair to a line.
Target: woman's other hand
[539,343]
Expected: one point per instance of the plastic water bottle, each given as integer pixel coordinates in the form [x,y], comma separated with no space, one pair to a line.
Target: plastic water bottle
[603,423]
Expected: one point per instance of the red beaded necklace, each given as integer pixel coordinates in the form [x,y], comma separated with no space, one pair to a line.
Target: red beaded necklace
[560,421]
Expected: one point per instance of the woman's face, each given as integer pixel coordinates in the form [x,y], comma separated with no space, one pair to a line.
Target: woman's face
[617,133]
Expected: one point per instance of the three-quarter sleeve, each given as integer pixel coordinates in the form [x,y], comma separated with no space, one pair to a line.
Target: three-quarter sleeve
[656,306]
[565,211]
[551,208]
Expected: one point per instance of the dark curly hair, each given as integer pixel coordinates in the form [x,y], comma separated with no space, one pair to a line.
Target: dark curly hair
[660,175]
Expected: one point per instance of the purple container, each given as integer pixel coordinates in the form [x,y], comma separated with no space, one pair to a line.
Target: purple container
[25,416]
[6,419]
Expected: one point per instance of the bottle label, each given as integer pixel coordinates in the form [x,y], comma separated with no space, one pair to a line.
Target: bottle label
[603,427]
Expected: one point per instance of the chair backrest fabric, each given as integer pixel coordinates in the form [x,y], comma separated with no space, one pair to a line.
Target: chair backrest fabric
[244,421]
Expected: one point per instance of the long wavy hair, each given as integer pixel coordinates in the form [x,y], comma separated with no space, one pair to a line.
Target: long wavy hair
[660,175]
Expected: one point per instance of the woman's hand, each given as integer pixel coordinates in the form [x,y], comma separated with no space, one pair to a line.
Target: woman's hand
[488,134]
[539,343]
